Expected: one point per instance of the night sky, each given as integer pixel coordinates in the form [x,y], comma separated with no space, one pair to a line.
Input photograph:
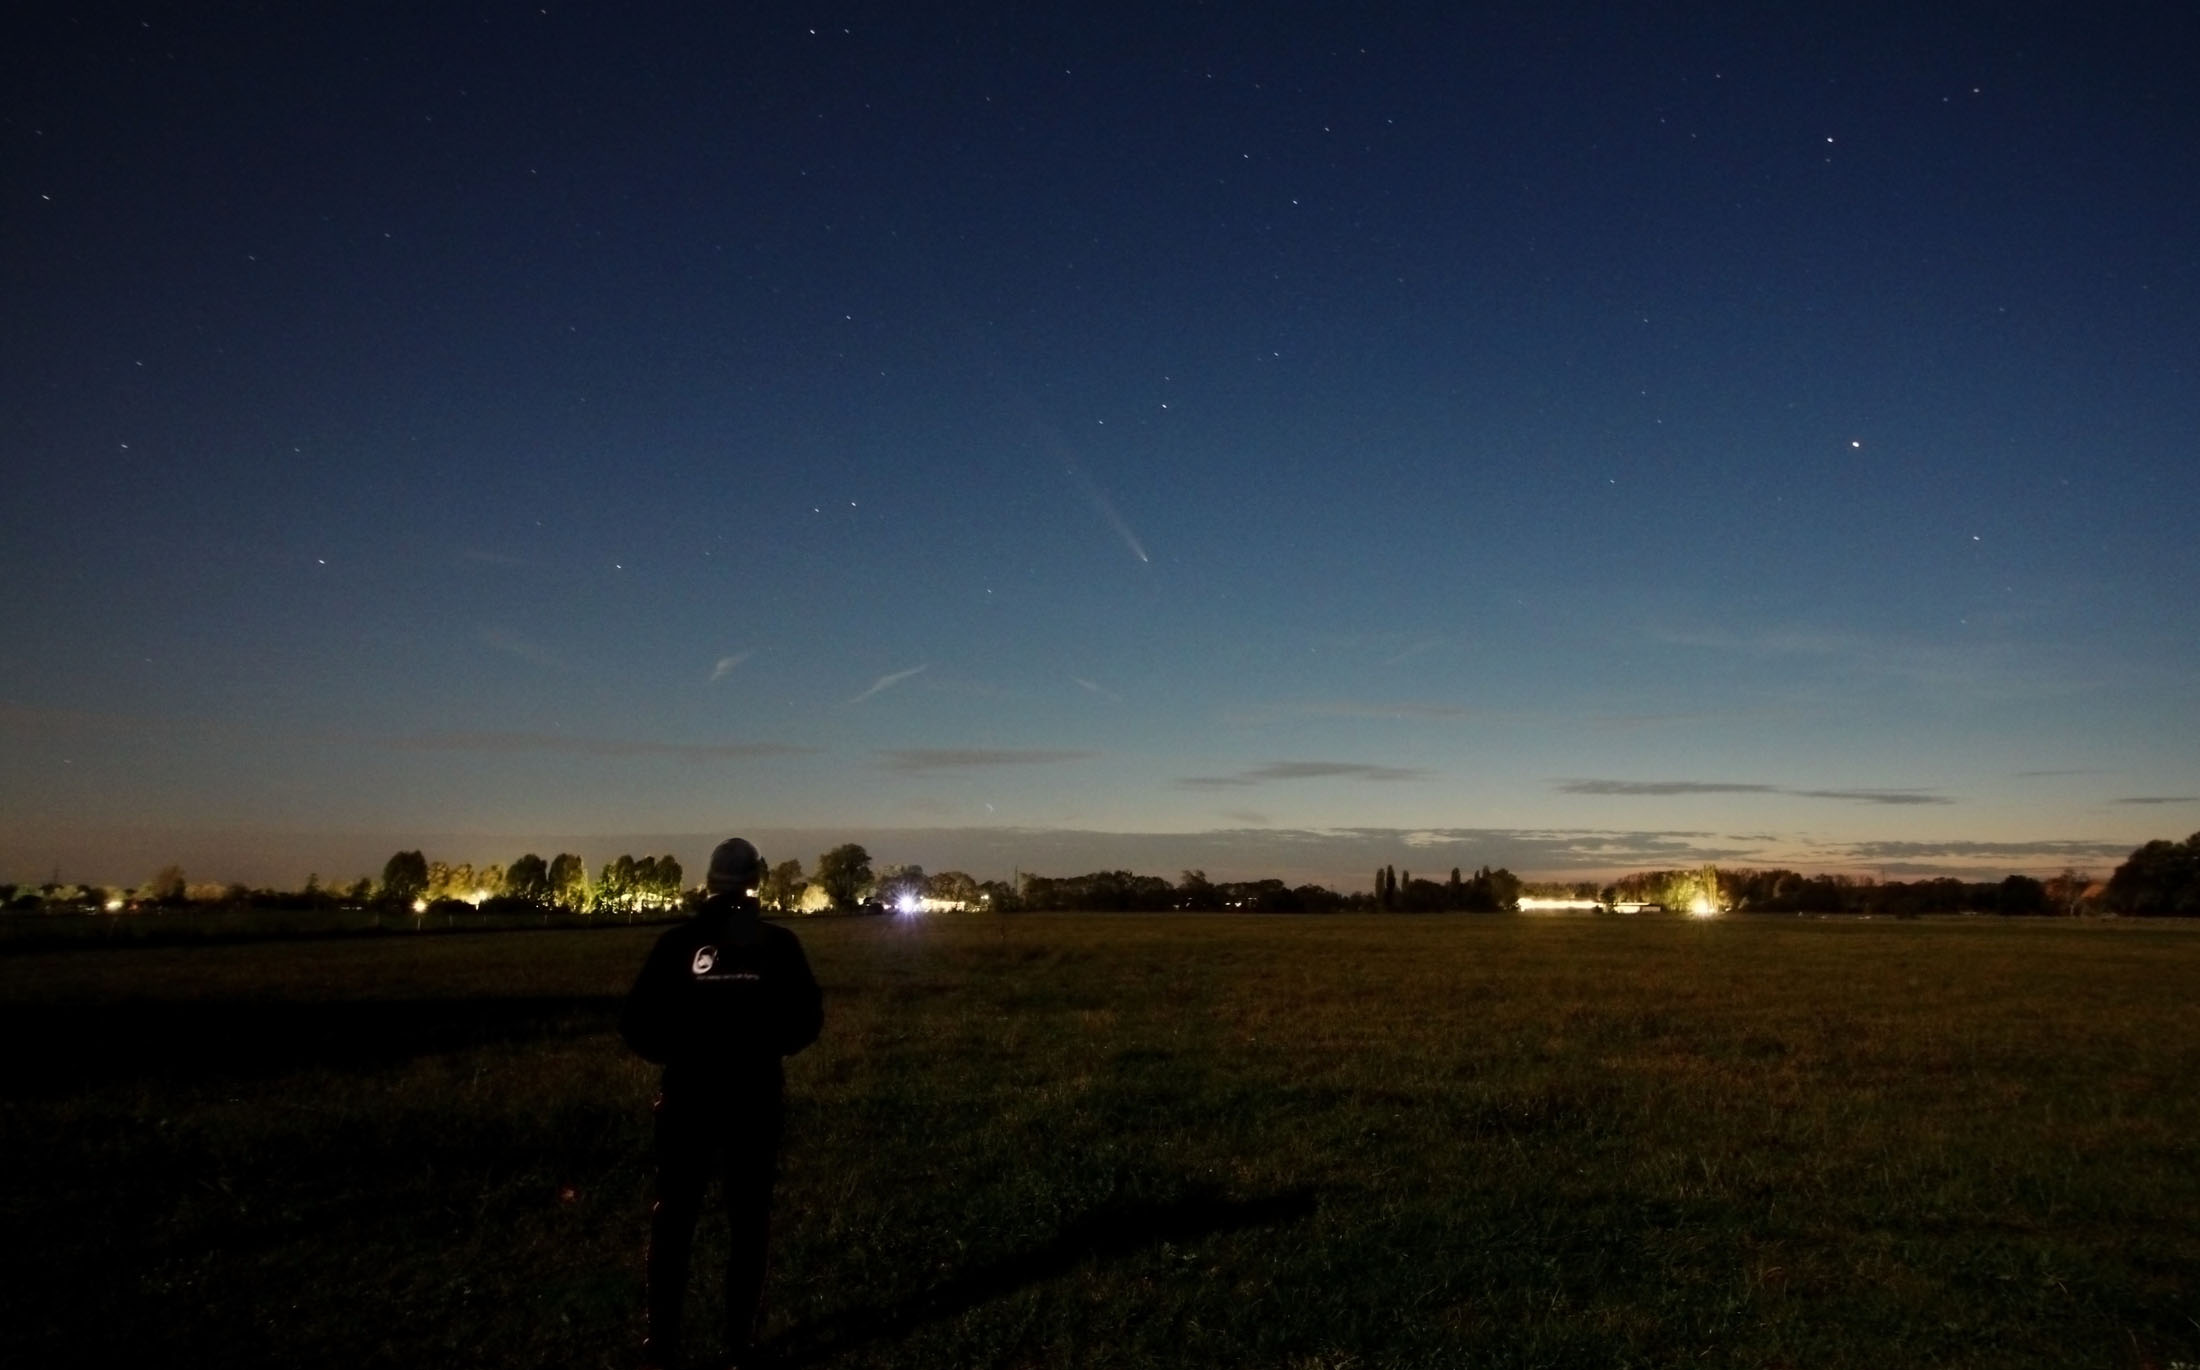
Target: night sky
[1579,438]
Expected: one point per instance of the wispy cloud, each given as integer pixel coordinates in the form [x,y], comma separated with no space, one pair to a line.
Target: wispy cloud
[888,682]
[1661,787]
[516,743]
[2159,799]
[1302,770]
[1318,770]
[2046,850]
[38,722]
[1413,650]
[969,758]
[1669,788]
[1101,690]
[526,649]
[727,665]
[1990,665]
[1631,722]
[1405,710]
[1874,796]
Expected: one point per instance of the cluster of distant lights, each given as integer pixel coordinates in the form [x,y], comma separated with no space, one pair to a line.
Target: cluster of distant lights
[475,898]
[1702,906]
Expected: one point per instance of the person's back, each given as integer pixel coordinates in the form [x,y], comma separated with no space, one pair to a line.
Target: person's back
[722,1000]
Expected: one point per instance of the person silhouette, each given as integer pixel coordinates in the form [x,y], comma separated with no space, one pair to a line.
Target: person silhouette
[722,1000]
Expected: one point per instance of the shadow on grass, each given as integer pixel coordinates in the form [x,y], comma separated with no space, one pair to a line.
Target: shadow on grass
[1108,1233]
[83,1045]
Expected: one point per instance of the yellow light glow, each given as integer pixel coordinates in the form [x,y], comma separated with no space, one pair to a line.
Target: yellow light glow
[420,906]
[1702,907]
[114,906]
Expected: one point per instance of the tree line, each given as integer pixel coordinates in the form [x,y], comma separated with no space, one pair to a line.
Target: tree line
[2160,878]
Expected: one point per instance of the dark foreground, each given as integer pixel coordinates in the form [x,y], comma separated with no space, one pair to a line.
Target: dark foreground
[1141,1141]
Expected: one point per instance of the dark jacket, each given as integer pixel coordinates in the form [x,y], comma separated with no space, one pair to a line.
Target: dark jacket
[719,1016]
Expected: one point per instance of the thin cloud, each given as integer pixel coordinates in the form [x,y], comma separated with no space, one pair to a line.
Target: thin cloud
[1302,770]
[1100,690]
[534,654]
[2159,799]
[1670,788]
[1875,796]
[1349,708]
[38,722]
[918,759]
[1629,722]
[2053,849]
[727,665]
[1321,770]
[1661,787]
[559,743]
[1997,668]
[1413,650]
[888,682]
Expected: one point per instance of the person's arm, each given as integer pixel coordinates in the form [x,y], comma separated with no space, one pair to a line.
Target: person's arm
[646,1019]
[801,1003]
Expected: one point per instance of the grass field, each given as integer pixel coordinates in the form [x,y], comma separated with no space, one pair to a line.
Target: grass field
[1120,1141]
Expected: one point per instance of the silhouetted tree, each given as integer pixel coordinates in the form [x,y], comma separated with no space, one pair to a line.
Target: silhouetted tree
[2020,894]
[954,887]
[615,884]
[844,873]
[898,883]
[783,886]
[568,880]
[405,877]
[528,879]
[1196,892]
[2159,878]
[2066,889]
[168,886]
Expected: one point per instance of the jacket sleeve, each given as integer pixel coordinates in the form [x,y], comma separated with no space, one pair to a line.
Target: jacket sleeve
[647,1020]
[801,1005]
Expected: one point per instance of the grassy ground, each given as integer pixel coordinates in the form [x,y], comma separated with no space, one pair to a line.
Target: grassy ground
[1100,1141]
[196,925]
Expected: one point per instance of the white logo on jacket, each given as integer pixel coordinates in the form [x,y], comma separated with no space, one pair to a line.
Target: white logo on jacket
[705,958]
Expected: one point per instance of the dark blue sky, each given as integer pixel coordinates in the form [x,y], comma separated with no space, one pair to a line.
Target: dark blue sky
[1645,434]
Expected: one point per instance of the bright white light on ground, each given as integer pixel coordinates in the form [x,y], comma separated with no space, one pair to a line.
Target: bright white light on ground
[909,903]
[114,906]
[1702,907]
[420,906]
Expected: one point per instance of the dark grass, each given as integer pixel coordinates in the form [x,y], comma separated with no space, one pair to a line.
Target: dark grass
[199,925]
[1141,1141]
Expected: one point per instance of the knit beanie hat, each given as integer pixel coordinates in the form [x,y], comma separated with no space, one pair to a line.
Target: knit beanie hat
[735,867]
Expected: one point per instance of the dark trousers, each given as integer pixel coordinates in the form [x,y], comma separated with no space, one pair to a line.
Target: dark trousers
[738,1139]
